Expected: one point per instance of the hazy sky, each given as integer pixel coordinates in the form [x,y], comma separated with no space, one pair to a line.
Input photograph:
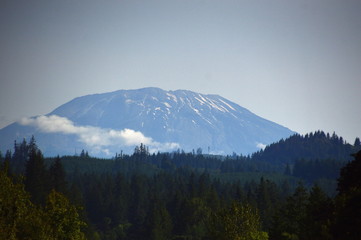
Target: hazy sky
[297,63]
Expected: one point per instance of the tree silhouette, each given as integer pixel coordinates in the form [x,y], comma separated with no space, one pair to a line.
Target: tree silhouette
[348,201]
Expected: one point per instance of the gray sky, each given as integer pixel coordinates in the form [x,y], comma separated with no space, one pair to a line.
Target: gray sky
[297,63]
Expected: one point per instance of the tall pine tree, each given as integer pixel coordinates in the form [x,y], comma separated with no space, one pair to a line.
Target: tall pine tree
[36,175]
[57,176]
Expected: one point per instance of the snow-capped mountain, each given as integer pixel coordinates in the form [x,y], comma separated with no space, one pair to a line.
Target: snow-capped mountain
[163,120]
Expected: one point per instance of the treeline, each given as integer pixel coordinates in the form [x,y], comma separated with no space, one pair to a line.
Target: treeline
[174,196]
[291,156]
[317,145]
[297,158]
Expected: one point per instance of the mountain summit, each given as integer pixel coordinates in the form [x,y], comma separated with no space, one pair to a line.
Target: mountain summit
[107,123]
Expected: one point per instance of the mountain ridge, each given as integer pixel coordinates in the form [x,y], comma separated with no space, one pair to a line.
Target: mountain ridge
[181,118]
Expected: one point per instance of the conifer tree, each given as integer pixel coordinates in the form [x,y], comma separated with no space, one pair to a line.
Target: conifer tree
[36,175]
[20,156]
[65,222]
[239,222]
[57,176]
[159,222]
[357,142]
[19,217]
[318,215]
[348,201]
[5,163]
[290,221]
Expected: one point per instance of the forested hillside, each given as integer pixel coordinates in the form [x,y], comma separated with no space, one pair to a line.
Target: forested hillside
[286,191]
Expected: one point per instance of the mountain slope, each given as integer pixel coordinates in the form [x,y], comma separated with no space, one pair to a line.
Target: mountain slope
[165,120]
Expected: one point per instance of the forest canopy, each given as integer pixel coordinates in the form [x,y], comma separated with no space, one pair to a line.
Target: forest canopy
[281,192]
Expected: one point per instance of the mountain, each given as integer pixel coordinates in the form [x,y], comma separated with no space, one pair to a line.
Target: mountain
[111,122]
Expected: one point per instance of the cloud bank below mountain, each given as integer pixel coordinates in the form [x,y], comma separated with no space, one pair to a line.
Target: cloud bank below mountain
[99,139]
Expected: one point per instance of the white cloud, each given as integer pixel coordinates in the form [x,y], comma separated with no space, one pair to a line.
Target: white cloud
[95,137]
[261,146]
[53,124]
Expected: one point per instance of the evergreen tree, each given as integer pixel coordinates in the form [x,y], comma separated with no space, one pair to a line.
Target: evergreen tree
[267,198]
[357,142]
[290,221]
[195,214]
[21,219]
[239,222]
[64,219]
[138,205]
[319,210]
[57,176]
[5,163]
[348,201]
[159,222]
[20,157]
[36,175]
[350,175]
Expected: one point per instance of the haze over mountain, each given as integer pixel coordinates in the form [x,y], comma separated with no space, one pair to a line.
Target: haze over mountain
[117,121]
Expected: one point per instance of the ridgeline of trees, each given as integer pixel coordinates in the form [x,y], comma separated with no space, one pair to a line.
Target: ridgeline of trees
[281,192]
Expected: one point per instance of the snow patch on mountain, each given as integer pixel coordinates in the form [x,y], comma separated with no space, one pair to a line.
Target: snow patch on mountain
[163,120]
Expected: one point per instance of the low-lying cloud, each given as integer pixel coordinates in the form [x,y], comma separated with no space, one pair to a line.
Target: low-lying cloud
[261,146]
[95,137]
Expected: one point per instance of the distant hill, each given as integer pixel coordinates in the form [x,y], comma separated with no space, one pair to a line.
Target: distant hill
[312,146]
[117,121]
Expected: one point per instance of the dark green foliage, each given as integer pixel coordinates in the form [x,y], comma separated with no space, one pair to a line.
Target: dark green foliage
[237,222]
[317,145]
[18,215]
[312,170]
[268,201]
[36,175]
[348,201]
[193,196]
[158,222]
[57,176]
[290,221]
[20,218]
[20,157]
[350,176]
[319,214]
[64,219]
[5,163]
